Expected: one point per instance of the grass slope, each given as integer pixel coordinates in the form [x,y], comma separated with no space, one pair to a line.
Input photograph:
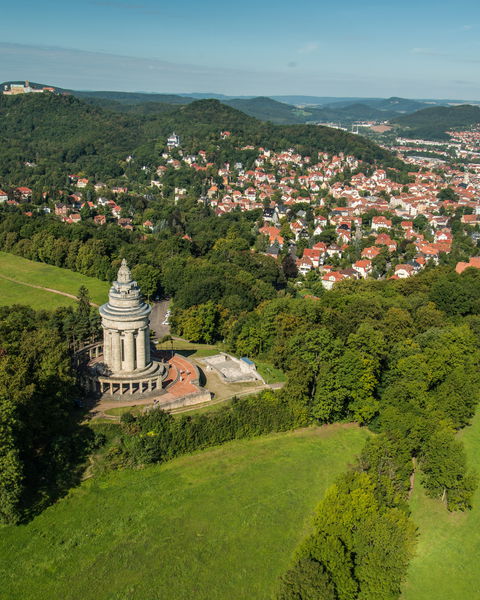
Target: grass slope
[17,293]
[214,525]
[28,271]
[448,552]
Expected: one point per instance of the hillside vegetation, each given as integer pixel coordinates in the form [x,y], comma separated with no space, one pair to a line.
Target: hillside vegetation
[215,525]
[63,134]
[30,272]
[433,123]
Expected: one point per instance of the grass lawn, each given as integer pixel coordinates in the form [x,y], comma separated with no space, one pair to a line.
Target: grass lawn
[28,271]
[214,525]
[270,373]
[16,293]
[448,552]
[191,349]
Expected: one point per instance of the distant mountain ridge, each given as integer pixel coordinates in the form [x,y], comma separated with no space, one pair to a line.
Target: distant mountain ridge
[434,122]
[280,110]
[64,134]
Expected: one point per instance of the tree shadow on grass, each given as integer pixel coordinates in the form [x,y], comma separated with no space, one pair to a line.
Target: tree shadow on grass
[185,353]
[52,470]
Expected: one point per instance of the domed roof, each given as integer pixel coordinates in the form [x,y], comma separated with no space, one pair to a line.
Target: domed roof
[125,300]
[124,274]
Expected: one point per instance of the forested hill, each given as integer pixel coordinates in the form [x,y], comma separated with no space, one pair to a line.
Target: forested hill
[133,97]
[278,112]
[433,123]
[63,133]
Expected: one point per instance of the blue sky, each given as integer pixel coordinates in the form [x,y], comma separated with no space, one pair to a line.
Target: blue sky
[421,49]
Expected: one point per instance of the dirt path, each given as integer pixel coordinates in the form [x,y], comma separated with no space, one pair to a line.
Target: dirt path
[45,289]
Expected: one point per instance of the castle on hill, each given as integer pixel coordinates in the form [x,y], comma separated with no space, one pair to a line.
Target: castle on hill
[14,89]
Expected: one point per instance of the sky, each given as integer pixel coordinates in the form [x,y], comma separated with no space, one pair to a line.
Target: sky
[415,49]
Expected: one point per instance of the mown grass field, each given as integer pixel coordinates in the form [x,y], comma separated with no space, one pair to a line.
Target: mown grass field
[215,525]
[448,552]
[16,293]
[28,271]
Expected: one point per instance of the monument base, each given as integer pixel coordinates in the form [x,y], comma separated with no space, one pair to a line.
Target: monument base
[97,380]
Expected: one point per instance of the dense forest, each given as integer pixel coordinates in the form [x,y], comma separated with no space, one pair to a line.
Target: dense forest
[58,135]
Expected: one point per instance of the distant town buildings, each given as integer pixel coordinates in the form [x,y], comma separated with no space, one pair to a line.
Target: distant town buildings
[334,215]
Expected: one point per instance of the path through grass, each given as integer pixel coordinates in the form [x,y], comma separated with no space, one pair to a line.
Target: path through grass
[17,293]
[215,525]
[29,271]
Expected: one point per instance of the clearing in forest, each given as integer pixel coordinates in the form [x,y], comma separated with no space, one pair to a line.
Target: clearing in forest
[217,524]
[18,274]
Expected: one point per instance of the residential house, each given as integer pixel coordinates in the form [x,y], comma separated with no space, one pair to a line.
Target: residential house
[403,271]
[330,279]
[25,193]
[304,265]
[370,252]
[363,267]
[100,219]
[381,223]
[273,234]
[315,255]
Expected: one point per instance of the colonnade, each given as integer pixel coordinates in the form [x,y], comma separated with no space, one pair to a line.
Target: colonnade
[121,387]
[127,350]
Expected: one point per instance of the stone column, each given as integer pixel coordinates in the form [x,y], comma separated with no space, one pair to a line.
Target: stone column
[116,358]
[140,341]
[107,346]
[129,351]
[146,333]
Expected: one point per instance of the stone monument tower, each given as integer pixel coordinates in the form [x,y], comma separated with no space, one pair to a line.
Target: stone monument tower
[125,322]
[122,364]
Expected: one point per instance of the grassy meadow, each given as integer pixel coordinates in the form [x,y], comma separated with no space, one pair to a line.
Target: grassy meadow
[218,524]
[448,551]
[27,271]
[17,293]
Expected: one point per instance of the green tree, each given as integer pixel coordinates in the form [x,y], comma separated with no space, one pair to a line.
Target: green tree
[148,278]
[443,464]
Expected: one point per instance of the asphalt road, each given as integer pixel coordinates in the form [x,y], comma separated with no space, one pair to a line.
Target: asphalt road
[157,317]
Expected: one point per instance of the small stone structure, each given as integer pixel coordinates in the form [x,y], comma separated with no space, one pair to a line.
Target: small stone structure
[231,369]
[122,363]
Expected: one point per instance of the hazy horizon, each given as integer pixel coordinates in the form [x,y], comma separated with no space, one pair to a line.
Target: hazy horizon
[416,50]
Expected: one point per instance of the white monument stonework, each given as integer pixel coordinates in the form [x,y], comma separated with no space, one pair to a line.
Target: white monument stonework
[125,322]
[122,364]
